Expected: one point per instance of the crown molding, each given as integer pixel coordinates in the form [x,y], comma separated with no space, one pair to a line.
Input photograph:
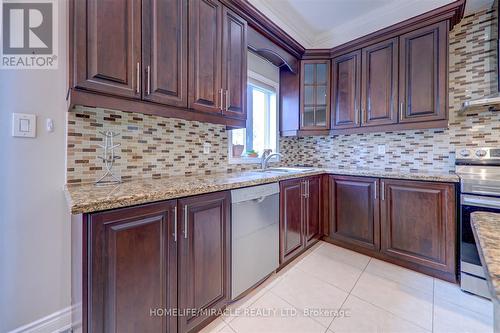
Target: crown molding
[452,12]
[294,25]
[375,19]
[257,20]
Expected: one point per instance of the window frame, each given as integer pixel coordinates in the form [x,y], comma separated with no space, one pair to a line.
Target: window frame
[257,78]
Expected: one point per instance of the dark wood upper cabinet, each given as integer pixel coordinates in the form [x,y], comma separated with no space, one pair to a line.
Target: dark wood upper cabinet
[346,96]
[418,223]
[205,55]
[354,211]
[315,95]
[234,64]
[107,46]
[423,61]
[289,102]
[204,257]
[379,84]
[291,218]
[164,51]
[313,210]
[132,269]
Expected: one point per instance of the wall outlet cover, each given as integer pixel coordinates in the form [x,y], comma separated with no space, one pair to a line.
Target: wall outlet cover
[206,147]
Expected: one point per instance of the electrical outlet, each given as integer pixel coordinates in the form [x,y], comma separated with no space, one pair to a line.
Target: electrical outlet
[381,149]
[206,147]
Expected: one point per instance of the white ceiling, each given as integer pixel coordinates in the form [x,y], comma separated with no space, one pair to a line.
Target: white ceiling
[328,23]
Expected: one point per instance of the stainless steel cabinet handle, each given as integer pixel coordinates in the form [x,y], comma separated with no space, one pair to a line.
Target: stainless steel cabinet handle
[382,191]
[148,70]
[375,190]
[138,74]
[307,186]
[175,224]
[227,100]
[221,105]
[186,221]
[401,110]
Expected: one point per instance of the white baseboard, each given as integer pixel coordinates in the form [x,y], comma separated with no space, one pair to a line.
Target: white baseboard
[53,323]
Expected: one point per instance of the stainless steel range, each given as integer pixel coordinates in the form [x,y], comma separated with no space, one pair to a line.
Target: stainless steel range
[479,171]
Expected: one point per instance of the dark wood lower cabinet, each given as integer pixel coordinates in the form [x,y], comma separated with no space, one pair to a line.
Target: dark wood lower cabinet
[313,210]
[204,258]
[419,224]
[300,215]
[132,267]
[354,209]
[139,263]
[291,218]
[408,223]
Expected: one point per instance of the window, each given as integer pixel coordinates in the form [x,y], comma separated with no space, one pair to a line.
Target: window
[261,132]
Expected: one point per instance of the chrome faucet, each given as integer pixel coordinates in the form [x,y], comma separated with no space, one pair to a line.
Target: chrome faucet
[266,156]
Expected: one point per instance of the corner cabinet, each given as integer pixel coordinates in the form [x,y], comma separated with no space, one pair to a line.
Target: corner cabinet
[138,263]
[354,209]
[300,215]
[315,95]
[165,58]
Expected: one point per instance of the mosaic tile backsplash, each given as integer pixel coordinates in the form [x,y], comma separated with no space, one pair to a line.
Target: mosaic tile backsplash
[157,147]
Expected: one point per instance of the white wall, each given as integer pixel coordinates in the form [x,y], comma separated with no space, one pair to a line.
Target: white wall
[34,222]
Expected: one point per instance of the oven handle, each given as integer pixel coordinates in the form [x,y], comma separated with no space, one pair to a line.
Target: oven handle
[470,200]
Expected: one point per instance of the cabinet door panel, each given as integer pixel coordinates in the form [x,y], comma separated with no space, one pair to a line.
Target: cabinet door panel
[234,65]
[108,46]
[205,57]
[354,211]
[204,256]
[380,84]
[423,74]
[346,90]
[418,223]
[315,95]
[291,218]
[313,210]
[133,269]
[165,51]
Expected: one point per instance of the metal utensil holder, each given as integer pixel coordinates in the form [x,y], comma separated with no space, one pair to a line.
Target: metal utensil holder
[108,158]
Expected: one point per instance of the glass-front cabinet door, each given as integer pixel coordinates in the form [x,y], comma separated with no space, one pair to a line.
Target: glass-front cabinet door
[315,95]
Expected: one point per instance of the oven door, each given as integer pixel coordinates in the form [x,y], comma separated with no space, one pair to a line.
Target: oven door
[469,257]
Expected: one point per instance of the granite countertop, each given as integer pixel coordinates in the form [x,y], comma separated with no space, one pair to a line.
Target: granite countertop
[87,198]
[486,228]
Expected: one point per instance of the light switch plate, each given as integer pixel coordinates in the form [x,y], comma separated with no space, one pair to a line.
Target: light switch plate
[381,149]
[23,125]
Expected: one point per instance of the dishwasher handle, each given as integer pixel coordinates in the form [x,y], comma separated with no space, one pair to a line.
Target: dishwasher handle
[259,200]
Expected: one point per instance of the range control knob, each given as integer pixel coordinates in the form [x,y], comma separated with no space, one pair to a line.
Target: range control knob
[465,153]
[481,153]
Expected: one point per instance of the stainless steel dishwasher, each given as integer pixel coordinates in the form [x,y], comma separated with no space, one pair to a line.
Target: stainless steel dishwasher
[254,235]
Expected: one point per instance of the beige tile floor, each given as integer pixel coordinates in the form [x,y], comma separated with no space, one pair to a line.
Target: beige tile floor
[331,289]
